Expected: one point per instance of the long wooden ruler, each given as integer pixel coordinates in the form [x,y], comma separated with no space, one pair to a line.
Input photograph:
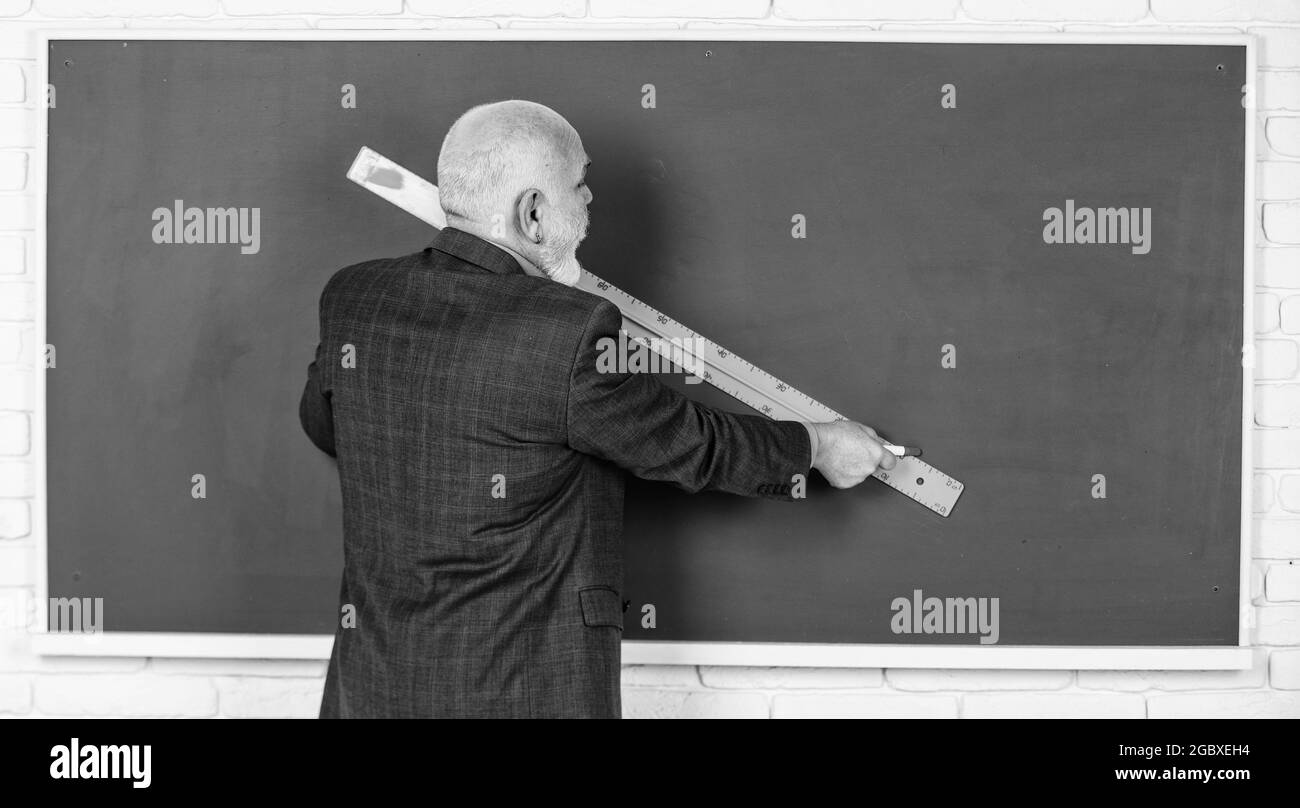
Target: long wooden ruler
[737,377]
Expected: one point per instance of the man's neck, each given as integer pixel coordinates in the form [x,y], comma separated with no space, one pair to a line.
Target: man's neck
[528,266]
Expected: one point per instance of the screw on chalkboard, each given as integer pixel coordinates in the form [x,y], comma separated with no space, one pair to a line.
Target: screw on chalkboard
[1216,589]
[1219,68]
[67,63]
[708,53]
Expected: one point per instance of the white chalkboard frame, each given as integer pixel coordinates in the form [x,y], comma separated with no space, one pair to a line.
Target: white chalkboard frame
[281,646]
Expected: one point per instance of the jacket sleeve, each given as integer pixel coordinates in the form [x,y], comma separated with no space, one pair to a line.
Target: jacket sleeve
[315,412]
[636,422]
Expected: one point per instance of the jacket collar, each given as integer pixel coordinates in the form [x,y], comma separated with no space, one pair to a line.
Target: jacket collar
[474,250]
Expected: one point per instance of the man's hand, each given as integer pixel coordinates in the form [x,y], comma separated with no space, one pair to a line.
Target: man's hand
[849,452]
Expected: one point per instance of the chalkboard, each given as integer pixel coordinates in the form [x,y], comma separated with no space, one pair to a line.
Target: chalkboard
[869,221]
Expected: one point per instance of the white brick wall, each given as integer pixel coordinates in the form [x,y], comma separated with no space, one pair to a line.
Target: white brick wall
[32,685]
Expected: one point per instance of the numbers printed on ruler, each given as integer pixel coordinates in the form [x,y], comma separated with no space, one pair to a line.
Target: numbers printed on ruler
[755,388]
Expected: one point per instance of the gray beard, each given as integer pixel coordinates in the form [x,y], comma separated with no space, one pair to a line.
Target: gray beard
[567,271]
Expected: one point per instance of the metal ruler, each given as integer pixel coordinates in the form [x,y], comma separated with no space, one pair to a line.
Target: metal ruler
[737,377]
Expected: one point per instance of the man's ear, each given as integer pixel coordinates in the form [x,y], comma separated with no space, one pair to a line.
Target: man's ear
[528,217]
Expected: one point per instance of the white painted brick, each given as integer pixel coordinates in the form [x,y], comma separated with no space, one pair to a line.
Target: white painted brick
[1289,314]
[13,255]
[17,130]
[11,342]
[780,24]
[660,676]
[1256,570]
[1278,89]
[17,301]
[827,705]
[1263,494]
[679,8]
[238,23]
[498,8]
[1263,151]
[1053,705]
[790,678]
[80,664]
[268,7]
[1278,47]
[1284,669]
[16,434]
[12,8]
[1277,179]
[253,697]
[13,170]
[1276,359]
[378,23]
[1258,704]
[17,566]
[1214,10]
[238,667]
[647,703]
[17,211]
[13,84]
[27,345]
[866,9]
[1277,625]
[128,8]
[128,696]
[1288,492]
[1278,267]
[18,38]
[614,25]
[1281,222]
[16,478]
[1283,580]
[383,23]
[1268,310]
[1277,404]
[909,679]
[1133,681]
[1276,538]
[16,618]
[16,389]
[1098,10]
[1282,133]
[1277,448]
[1098,28]
[970,27]
[15,695]
[15,518]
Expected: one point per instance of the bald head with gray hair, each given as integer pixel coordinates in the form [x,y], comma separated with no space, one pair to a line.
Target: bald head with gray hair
[512,172]
[495,151]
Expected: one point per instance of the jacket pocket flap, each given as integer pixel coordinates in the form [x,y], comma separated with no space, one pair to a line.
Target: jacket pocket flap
[601,607]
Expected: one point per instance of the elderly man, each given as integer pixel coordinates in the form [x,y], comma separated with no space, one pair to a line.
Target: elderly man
[481,451]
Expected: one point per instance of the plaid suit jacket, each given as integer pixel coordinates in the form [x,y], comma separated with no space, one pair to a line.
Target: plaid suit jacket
[481,455]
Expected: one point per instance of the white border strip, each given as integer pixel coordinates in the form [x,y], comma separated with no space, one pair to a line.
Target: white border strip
[277,646]
[1249,226]
[304,646]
